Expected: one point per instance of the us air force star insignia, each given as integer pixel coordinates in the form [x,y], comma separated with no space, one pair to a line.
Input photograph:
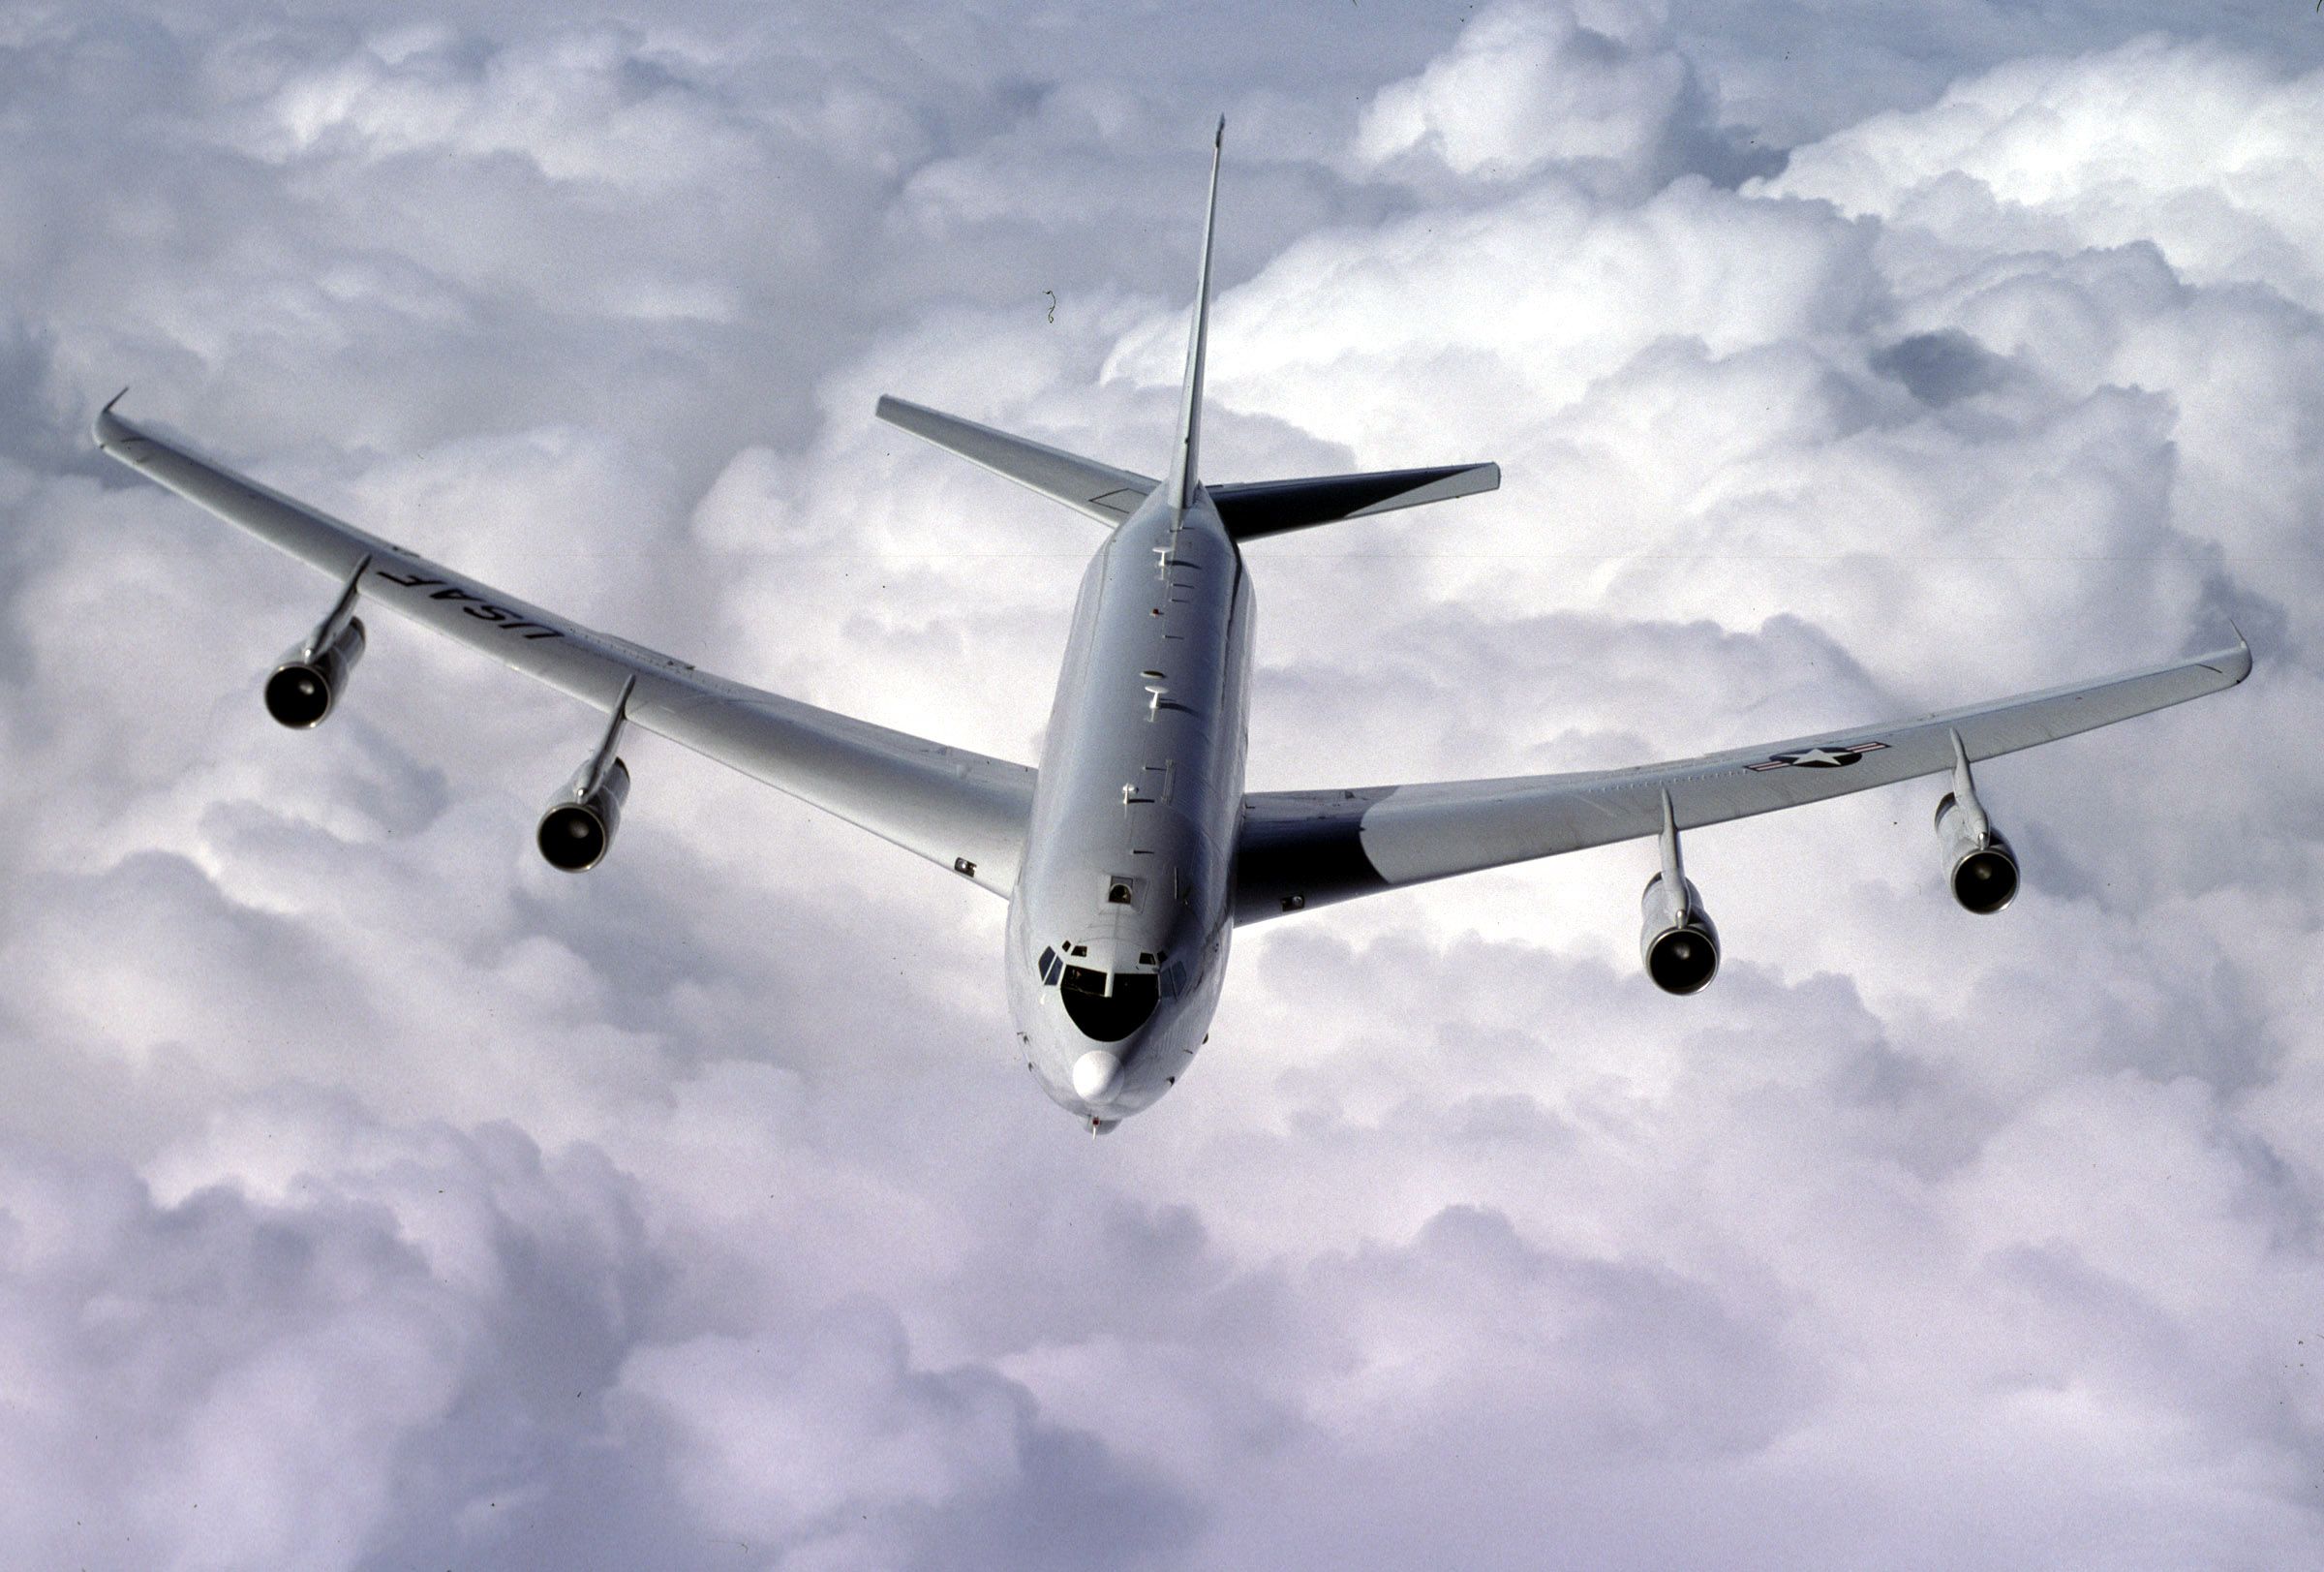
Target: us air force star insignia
[1823,757]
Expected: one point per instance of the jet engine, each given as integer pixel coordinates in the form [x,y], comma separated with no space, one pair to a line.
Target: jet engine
[309,680]
[1980,869]
[577,828]
[1677,940]
[311,675]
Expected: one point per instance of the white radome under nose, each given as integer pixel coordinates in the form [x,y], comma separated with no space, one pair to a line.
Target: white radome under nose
[1094,1074]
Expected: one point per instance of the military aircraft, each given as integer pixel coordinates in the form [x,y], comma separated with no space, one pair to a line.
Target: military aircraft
[1131,855]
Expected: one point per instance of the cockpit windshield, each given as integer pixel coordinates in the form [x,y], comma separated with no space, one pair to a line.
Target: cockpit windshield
[1106,1015]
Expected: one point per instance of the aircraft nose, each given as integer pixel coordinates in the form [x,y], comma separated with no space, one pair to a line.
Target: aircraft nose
[1095,1074]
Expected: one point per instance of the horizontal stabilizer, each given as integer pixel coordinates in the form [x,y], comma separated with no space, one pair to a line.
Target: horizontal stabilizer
[1272,506]
[1084,484]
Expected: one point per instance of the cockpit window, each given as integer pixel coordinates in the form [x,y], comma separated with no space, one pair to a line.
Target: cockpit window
[1051,966]
[1109,1015]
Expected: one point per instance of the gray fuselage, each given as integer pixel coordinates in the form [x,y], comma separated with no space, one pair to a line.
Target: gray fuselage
[1120,919]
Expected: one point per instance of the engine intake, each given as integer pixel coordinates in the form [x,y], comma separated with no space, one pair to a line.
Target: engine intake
[1677,940]
[576,829]
[578,826]
[313,674]
[1980,867]
[309,681]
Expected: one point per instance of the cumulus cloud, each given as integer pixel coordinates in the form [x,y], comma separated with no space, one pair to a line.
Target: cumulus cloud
[371,1196]
[1598,92]
[2074,150]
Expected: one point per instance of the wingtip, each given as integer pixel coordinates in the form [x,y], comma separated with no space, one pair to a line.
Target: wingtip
[2233,663]
[1218,138]
[102,427]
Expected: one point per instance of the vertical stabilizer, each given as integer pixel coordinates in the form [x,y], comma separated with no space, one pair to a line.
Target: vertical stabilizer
[1181,480]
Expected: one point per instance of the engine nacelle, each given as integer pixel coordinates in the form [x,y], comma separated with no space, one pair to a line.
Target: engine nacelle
[309,681]
[1980,869]
[577,828]
[1677,941]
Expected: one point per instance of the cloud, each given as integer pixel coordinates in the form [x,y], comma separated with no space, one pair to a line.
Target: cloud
[371,1196]
[2198,150]
[1597,92]
[228,1380]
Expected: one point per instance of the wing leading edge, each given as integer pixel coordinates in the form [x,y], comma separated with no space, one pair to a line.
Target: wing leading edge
[1308,848]
[960,810]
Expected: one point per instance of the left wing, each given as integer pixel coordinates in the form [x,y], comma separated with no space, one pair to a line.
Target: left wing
[1308,848]
[960,810]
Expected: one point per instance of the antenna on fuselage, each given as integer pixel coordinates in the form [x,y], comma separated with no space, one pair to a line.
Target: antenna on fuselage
[1181,482]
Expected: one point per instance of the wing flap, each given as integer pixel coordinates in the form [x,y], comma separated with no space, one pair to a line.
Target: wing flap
[1307,849]
[960,810]
[1100,490]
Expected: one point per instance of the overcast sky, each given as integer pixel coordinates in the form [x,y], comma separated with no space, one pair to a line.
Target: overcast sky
[372,1196]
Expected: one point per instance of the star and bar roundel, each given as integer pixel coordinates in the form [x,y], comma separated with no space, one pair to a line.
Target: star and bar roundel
[1831,755]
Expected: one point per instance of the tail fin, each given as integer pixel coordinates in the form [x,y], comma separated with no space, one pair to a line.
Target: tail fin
[1181,482]
[1248,511]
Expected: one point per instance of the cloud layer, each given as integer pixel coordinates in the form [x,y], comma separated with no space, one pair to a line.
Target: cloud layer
[371,1196]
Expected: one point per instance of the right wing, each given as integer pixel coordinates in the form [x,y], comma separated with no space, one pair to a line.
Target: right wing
[1105,493]
[1308,848]
[960,810]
